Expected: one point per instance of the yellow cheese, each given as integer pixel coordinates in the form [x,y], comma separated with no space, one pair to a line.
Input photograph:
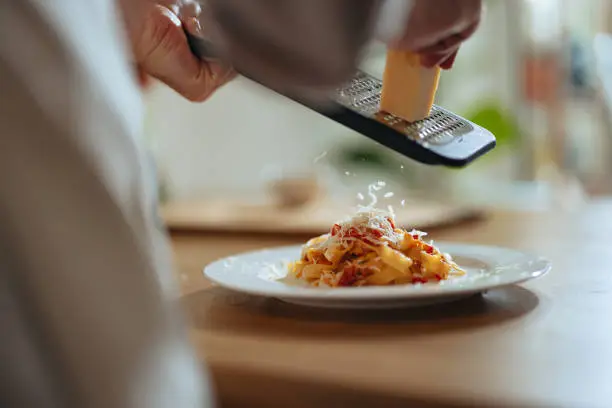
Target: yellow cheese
[408,89]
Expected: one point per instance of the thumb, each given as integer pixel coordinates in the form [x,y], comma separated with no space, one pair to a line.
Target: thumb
[163,52]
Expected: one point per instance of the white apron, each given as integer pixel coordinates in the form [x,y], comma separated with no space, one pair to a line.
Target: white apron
[84,321]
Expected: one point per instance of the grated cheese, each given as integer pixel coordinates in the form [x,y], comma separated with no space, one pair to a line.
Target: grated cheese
[364,222]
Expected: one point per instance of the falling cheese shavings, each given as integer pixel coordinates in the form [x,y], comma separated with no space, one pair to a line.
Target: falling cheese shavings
[319,157]
[372,195]
[379,184]
[376,224]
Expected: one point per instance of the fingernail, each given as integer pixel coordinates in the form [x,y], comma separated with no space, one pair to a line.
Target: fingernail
[446,65]
[449,62]
[194,27]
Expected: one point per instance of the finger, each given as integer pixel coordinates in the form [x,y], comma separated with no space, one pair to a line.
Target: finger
[190,9]
[449,43]
[163,53]
[436,59]
[433,21]
[143,79]
[192,26]
[182,8]
[173,5]
[443,47]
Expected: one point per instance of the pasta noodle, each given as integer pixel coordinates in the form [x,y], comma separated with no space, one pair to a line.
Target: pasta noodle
[368,249]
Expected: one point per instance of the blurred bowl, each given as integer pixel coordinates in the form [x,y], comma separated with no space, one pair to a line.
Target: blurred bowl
[294,192]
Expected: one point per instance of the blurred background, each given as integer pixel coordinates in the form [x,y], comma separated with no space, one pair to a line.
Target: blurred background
[533,75]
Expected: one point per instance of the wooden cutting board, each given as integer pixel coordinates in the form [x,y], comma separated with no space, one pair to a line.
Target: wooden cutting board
[315,218]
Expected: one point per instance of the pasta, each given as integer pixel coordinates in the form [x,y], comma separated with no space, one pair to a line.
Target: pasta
[368,249]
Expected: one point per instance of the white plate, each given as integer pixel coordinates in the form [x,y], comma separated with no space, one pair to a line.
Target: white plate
[262,273]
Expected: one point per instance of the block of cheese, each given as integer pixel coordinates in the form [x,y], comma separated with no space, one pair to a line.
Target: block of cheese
[408,89]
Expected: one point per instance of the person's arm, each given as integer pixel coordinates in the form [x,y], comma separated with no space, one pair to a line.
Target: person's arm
[305,48]
[86,317]
[300,46]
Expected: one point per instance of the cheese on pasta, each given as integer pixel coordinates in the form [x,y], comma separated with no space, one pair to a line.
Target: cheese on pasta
[368,249]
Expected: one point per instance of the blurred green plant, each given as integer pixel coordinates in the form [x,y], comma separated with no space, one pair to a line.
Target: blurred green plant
[495,119]
[368,156]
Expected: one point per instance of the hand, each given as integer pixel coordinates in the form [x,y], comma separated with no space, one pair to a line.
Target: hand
[160,48]
[437,28]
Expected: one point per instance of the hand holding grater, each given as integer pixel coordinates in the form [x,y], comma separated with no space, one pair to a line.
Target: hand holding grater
[443,138]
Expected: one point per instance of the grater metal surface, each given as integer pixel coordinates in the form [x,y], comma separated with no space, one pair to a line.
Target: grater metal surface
[443,138]
[362,95]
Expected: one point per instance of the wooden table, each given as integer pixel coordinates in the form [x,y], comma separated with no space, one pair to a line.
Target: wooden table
[545,343]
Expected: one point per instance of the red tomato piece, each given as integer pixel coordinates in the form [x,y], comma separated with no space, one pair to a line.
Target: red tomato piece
[335,229]
[348,276]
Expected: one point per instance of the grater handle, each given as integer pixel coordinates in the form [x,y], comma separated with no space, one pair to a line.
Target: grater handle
[319,100]
[202,48]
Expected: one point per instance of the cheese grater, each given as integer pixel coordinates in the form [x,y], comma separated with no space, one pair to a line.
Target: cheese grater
[443,138]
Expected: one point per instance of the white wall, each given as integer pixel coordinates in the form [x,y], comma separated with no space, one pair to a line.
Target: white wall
[221,145]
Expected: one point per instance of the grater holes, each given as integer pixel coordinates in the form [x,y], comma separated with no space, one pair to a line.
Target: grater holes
[439,128]
[362,95]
